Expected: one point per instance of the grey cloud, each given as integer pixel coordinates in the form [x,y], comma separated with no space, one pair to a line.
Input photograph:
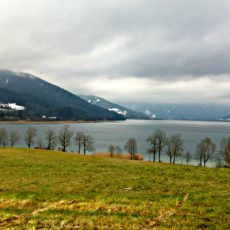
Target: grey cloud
[165,40]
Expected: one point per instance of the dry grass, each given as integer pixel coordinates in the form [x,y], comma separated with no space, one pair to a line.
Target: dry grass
[123,156]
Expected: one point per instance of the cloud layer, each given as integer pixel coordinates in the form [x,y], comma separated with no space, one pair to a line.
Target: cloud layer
[163,51]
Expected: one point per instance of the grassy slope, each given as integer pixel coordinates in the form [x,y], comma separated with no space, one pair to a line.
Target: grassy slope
[53,190]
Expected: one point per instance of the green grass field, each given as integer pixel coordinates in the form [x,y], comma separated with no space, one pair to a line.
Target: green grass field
[52,190]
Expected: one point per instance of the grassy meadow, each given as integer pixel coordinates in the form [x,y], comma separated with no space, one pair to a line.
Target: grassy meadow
[42,189]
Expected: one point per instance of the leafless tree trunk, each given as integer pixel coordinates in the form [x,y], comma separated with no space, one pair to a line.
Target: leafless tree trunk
[51,139]
[225,150]
[14,137]
[4,137]
[157,142]
[87,143]
[79,140]
[65,136]
[161,142]
[152,140]
[205,150]
[131,147]
[31,133]
[174,147]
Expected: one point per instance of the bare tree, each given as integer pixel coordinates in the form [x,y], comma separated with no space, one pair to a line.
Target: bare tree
[87,143]
[65,136]
[14,137]
[31,133]
[111,150]
[161,142]
[131,147]
[188,157]
[4,137]
[205,150]
[225,150]
[157,143]
[51,139]
[79,140]
[199,153]
[174,147]
[152,140]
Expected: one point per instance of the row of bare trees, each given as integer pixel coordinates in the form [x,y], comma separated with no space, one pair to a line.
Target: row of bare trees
[50,140]
[173,147]
[159,143]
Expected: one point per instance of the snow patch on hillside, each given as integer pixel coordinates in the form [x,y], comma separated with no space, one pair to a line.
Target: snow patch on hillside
[94,100]
[12,106]
[116,110]
[150,114]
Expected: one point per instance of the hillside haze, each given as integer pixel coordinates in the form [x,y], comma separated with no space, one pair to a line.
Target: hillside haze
[188,111]
[41,98]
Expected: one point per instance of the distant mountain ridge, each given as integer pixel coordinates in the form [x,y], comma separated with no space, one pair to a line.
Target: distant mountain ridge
[99,101]
[41,98]
[209,111]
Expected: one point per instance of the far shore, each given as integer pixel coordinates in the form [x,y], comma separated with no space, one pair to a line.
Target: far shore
[47,122]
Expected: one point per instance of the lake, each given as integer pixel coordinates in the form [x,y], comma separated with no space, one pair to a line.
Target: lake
[118,132]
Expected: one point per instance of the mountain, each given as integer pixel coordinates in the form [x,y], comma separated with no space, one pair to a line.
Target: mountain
[128,113]
[42,99]
[182,111]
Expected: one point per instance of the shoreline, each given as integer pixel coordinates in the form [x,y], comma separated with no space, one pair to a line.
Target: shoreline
[99,121]
[47,122]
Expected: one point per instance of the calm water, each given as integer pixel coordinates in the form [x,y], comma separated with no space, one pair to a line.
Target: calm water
[117,133]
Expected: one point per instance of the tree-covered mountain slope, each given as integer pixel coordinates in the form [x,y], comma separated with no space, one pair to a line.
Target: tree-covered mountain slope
[40,98]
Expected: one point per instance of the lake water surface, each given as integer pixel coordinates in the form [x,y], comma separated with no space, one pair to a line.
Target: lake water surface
[117,133]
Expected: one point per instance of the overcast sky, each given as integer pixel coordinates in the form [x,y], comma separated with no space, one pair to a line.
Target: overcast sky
[123,50]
